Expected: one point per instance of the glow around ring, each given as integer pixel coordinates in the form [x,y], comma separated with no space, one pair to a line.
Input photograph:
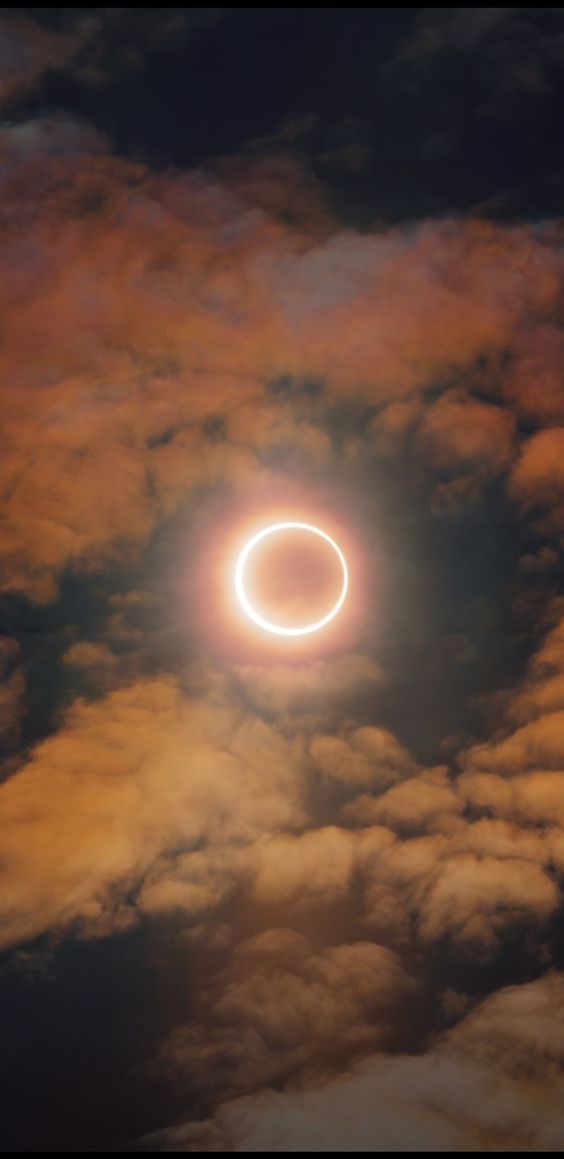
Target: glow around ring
[240,573]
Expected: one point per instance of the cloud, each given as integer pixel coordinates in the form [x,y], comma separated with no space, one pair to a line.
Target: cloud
[309,692]
[88,654]
[461,433]
[491,1084]
[92,47]
[179,347]
[411,805]
[126,782]
[538,477]
[366,757]
[284,1007]
[448,887]
[475,897]
[535,359]
[510,54]
[313,868]
[542,560]
[539,743]
[28,50]
[534,797]
[12,690]
[163,308]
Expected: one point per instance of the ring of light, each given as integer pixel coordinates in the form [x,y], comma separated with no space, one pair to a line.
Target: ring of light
[240,578]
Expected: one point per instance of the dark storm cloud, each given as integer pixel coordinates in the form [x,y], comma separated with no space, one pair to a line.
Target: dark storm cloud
[516,51]
[126,37]
[403,113]
[28,50]
[90,45]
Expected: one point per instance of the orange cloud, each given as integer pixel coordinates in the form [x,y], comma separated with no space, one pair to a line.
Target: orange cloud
[166,335]
[284,1007]
[540,471]
[159,305]
[492,1084]
[126,781]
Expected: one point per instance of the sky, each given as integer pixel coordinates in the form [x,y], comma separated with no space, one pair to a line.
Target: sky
[263,893]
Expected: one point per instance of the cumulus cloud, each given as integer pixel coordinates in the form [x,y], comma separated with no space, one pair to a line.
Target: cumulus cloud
[162,308]
[284,1008]
[539,469]
[366,757]
[460,433]
[413,804]
[538,743]
[127,781]
[492,1084]
[531,735]
[177,344]
[314,867]
[88,654]
[536,358]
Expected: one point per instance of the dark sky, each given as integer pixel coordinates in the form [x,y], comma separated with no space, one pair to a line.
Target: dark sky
[262,893]
[402,112]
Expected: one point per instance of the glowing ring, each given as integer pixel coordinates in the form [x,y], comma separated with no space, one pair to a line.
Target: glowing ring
[243,598]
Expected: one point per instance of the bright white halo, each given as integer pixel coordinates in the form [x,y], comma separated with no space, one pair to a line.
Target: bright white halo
[240,579]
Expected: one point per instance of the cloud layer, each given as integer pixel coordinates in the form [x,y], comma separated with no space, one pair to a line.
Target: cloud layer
[176,351]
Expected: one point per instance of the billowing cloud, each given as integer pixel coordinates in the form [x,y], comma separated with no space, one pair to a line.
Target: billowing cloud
[162,308]
[284,1008]
[492,1084]
[467,434]
[537,482]
[128,781]
[366,757]
[182,349]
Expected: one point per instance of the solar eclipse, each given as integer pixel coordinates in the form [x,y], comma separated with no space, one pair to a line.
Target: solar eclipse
[291,578]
